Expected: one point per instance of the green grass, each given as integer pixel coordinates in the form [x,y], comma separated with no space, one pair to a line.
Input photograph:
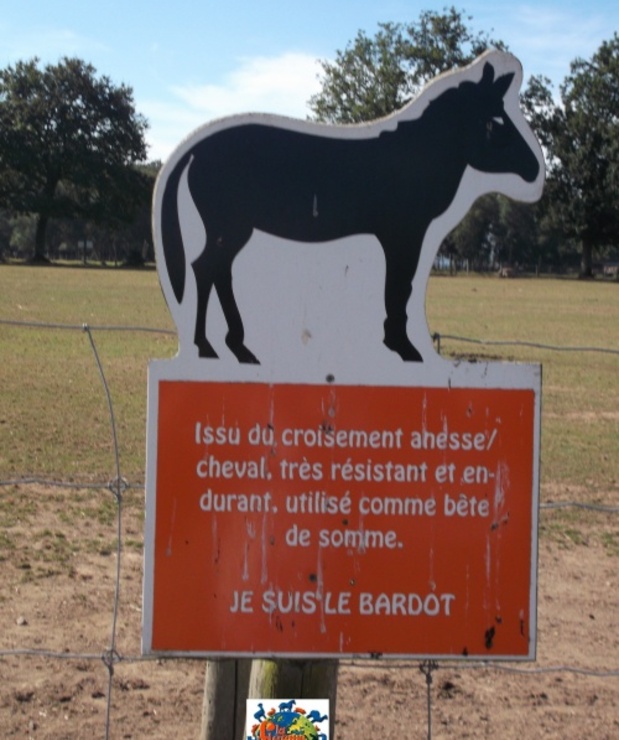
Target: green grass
[54,419]
[610,540]
[580,393]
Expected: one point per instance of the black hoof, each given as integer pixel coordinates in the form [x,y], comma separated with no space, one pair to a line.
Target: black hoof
[242,354]
[206,350]
[404,348]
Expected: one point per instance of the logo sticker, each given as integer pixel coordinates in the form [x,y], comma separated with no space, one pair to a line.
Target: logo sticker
[287,719]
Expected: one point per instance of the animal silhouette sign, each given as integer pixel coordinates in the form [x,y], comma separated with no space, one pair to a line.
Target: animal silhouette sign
[319,480]
[308,183]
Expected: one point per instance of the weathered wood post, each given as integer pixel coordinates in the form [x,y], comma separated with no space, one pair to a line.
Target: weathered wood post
[228,683]
[310,679]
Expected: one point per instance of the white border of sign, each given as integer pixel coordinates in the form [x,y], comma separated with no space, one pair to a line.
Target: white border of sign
[298,300]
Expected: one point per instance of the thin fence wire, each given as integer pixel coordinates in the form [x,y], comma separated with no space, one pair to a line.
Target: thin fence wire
[85,327]
[111,656]
[26,481]
[438,338]
[118,485]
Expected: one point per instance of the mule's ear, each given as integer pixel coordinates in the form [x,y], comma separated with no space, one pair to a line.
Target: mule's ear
[501,86]
[487,76]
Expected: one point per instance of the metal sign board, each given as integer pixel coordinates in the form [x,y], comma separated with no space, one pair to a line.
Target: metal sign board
[336,520]
[319,480]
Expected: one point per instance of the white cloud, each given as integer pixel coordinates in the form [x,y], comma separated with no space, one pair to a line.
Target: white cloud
[49,44]
[547,39]
[281,85]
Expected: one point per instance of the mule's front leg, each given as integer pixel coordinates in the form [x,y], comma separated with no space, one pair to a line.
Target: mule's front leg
[203,272]
[398,290]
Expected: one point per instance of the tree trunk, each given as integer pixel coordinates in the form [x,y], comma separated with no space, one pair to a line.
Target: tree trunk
[586,262]
[40,239]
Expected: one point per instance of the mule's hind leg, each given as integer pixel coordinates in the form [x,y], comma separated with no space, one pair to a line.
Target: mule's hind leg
[213,268]
[235,338]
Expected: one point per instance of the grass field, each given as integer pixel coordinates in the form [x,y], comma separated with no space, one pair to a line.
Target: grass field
[58,547]
[580,392]
[54,419]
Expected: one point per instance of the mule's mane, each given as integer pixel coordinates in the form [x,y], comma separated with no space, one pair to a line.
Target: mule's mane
[440,109]
[451,98]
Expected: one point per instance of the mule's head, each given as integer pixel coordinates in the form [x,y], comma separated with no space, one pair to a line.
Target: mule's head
[494,143]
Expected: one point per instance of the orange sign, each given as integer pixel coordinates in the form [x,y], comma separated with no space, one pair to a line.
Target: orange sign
[342,520]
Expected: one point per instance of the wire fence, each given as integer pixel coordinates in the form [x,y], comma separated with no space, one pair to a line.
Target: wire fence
[111,657]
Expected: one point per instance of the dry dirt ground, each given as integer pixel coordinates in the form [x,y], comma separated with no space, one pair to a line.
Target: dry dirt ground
[57,578]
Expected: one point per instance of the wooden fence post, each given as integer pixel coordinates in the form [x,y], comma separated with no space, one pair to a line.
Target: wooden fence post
[229,683]
[225,692]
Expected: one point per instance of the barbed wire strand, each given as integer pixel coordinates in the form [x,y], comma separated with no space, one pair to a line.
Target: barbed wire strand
[472,664]
[127,485]
[370,664]
[604,508]
[437,338]
[81,327]
[34,480]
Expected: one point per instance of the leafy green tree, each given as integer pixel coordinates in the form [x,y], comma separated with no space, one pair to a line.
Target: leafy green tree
[5,234]
[68,144]
[517,233]
[23,228]
[375,76]
[474,239]
[582,136]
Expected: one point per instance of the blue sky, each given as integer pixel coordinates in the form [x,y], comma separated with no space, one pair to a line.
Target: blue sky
[189,61]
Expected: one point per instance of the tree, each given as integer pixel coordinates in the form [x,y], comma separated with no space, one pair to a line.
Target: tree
[375,76]
[474,238]
[5,234]
[68,145]
[582,136]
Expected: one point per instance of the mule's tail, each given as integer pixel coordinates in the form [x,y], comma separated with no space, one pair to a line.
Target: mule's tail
[171,237]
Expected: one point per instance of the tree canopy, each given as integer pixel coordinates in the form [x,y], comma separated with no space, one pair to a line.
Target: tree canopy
[375,76]
[68,144]
[71,143]
[582,136]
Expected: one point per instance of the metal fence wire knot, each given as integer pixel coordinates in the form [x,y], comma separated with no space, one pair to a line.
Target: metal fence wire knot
[427,667]
[110,658]
[118,486]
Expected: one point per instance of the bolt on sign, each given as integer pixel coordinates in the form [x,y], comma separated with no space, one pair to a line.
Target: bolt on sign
[320,482]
